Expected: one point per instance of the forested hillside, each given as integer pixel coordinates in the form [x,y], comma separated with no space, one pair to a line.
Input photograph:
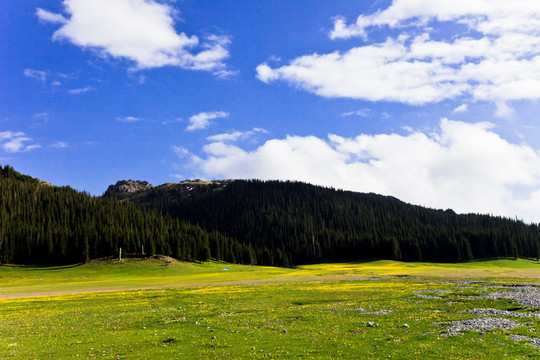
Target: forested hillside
[299,223]
[250,222]
[40,223]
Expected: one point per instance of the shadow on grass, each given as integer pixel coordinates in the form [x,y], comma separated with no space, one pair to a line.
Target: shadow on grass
[43,267]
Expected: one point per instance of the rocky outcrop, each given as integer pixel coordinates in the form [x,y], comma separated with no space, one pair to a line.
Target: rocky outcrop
[124,188]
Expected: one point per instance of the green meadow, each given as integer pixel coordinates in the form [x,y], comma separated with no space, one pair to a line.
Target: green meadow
[164,309]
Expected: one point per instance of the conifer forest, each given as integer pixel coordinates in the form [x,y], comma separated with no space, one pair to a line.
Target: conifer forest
[241,221]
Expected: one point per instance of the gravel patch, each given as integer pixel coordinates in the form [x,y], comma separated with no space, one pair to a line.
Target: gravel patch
[431,294]
[480,325]
[424,296]
[527,295]
[364,312]
[473,283]
[532,340]
[438,292]
[537,285]
[497,312]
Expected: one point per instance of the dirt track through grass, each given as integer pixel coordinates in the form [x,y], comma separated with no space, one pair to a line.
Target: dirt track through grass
[111,275]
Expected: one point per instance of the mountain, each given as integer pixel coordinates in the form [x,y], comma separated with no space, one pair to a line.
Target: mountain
[290,223]
[125,188]
[143,193]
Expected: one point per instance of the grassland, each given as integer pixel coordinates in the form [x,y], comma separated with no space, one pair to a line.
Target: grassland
[161,309]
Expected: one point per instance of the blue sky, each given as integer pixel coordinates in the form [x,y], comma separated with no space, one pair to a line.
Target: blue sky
[434,102]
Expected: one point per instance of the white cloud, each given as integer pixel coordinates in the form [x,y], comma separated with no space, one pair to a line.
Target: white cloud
[467,167]
[461,108]
[488,50]
[30,148]
[374,72]
[43,116]
[10,134]
[73,76]
[487,16]
[50,17]
[361,113]
[181,151]
[177,177]
[128,119]
[177,120]
[141,31]
[342,30]
[60,144]
[202,120]
[35,74]
[81,90]
[235,135]
[504,110]
[14,142]
[266,74]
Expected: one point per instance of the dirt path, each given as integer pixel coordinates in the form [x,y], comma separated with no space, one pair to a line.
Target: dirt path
[469,274]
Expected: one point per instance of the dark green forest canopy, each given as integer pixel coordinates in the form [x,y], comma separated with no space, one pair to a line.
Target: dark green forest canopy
[250,222]
[293,222]
[40,223]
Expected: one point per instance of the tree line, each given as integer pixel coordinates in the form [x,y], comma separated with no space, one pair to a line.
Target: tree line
[43,224]
[249,222]
[294,223]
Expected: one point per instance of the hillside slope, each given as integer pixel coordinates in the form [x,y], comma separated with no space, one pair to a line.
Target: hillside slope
[249,222]
[290,223]
[44,224]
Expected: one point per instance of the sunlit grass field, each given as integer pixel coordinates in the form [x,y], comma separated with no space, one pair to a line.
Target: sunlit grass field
[157,309]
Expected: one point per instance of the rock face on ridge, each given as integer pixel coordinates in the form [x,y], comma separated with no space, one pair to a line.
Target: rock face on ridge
[124,188]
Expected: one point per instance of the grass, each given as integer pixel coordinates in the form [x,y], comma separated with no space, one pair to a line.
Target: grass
[366,310]
[100,275]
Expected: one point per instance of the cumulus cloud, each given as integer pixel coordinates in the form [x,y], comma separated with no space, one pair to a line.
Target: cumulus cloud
[202,120]
[375,72]
[141,31]
[15,142]
[491,52]
[466,167]
[488,16]
[235,135]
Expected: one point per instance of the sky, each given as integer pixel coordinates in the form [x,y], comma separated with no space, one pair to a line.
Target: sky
[432,102]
